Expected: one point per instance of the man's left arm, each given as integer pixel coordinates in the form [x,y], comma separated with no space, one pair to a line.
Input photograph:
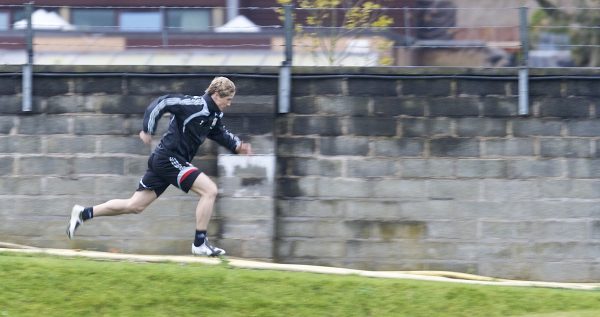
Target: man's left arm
[229,140]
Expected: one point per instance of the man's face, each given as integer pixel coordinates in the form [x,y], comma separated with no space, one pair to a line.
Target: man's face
[222,102]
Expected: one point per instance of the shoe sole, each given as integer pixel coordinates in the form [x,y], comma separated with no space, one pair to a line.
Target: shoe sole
[73,221]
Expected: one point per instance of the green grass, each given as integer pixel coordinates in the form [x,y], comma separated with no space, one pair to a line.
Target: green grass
[38,285]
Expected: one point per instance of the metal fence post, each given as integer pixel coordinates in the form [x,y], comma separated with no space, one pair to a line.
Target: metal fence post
[27,76]
[285,72]
[524,63]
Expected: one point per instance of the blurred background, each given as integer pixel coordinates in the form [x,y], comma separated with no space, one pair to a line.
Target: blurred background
[396,33]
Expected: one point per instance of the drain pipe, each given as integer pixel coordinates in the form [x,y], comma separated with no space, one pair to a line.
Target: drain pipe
[27,77]
[524,65]
[233,8]
[285,72]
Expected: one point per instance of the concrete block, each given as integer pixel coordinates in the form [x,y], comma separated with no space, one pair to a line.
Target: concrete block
[37,165]
[7,123]
[556,147]
[248,229]
[239,209]
[420,128]
[398,188]
[257,249]
[119,104]
[508,147]
[454,107]
[48,86]
[324,248]
[570,107]
[311,228]
[383,250]
[297,146]
[481,87]
[7,165]
[137,166]
[399,106]
[509,190]
[99,165]
[385,230]
[372,126]
[317,125]
[454,147]
[245,85]
[563,230]
[545,88]
[255,104]
[511,269]
[505,230]
[304,104]
[453,189]
[582,128]
[341,187]
[581,87]
[365,87]
[426,87]
[71,144]
[67,104]
[475,168]
[311,167]
[318,87]
[94,85]
[583,168]
[297,187]
[69,186]
[427,168]
[10,85]
[321,208]
[51,124]
[565,271]
[342,105]
[536,127]
[344,145]
[117,186]
[371,168]
[595,230]
[123,144]
[535,168]
[499,106]
[472,127]
[13,105]
[451,229]
[20,144]
[403,147]
[20,185]
[365,209]
[99,125]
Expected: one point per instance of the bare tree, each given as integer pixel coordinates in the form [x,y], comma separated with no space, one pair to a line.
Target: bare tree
[330,27]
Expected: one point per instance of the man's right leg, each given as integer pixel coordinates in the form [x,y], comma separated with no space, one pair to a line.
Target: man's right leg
[135,204]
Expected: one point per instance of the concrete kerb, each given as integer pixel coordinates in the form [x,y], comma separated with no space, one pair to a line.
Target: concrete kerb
[434,276]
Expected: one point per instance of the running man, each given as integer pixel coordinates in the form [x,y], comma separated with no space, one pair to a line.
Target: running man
[193,119]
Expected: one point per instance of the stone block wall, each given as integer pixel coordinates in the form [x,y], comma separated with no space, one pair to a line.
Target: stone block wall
[382,169]
[441,174]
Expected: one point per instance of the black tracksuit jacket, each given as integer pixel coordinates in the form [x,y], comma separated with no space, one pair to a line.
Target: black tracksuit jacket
[193,119]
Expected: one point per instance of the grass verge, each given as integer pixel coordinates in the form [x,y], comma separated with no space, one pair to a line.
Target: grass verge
[31,285]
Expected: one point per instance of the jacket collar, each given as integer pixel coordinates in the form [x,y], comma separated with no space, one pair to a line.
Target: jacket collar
[212,106]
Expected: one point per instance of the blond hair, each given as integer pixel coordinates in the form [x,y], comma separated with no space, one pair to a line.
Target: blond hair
[221,85]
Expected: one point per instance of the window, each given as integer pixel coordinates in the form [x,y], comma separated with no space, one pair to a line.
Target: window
[188,20]
[93,18]
[4,20]
[147,21]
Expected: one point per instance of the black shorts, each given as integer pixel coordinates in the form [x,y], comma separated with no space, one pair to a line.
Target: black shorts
[165,170]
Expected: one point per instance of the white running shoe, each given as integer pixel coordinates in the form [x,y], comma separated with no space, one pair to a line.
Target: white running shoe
[75,220]
[207,249]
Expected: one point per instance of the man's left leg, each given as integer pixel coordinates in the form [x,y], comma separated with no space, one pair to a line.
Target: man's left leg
[207,190]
